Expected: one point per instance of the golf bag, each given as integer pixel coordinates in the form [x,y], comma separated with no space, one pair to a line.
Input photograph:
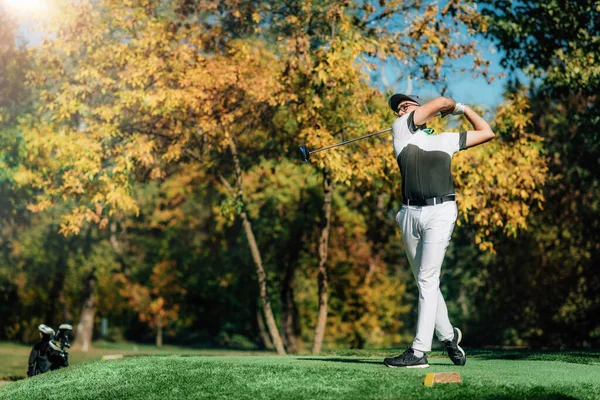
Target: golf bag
[50,352]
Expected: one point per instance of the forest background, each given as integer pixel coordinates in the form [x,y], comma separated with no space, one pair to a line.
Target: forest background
[151,186]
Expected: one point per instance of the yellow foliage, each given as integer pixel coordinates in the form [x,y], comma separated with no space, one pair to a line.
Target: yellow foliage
[127,96]
[499,183]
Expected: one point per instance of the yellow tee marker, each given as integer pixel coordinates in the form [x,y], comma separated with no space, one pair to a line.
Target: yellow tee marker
[442,377]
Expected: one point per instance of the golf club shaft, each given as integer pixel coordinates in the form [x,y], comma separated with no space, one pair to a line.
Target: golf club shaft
[350,141]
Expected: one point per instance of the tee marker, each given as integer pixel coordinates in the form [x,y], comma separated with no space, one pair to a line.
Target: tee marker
[442,377]
[112,357]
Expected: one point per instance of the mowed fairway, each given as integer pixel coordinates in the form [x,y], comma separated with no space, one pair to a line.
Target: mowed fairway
[487,375]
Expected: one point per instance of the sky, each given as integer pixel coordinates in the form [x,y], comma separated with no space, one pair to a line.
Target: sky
[463,86]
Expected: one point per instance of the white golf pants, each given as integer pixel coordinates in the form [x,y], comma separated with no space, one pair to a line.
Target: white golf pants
[426,233]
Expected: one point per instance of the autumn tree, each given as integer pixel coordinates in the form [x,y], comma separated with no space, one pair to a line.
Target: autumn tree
[162,98]
[155,303]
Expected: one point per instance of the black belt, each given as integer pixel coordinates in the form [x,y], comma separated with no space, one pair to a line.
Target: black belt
[429,202]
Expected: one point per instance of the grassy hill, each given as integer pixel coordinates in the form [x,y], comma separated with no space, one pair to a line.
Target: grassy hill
[14,356]
[347,375]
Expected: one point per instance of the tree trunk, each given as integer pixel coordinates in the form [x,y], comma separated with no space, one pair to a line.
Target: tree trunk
[297,327]
[262,283]
[159,331]
[262,330]
[57,294]
[113,239]
[288,258]
[65,308]
[118,248]
[464,308]
[288,310]
[260,271]
[322,277]
[85,328]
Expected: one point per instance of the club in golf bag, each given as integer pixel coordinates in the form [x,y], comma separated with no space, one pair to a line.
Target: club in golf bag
[59,356]
[305,152]
[50,352]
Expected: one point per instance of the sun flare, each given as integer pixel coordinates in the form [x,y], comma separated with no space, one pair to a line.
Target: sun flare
[23,8]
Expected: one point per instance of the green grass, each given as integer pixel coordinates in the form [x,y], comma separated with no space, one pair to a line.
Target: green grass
[13,356]
[342,375]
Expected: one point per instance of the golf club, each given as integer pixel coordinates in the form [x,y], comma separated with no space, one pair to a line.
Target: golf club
[305,152]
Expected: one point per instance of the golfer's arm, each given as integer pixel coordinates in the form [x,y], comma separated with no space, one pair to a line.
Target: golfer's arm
[482,132]
[443,105]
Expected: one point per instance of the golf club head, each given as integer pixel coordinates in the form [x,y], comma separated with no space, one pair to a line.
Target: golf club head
[304,153]
[46,330]
[54,345]
[63,334]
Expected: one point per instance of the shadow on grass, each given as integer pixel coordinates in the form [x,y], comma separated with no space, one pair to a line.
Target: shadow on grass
[535,393]
[343,360]
[11,378]
[520,396]
[568,356]
[359,361]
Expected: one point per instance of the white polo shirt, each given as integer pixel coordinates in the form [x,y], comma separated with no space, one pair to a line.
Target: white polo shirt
[425,159]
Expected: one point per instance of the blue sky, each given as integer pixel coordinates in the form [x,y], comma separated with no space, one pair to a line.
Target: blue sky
[463,87]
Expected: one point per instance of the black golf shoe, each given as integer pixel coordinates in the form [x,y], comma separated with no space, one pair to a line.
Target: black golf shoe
[407,360]
[455,352]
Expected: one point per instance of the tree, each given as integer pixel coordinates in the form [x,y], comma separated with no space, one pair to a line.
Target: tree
[139,111]
[558,258]
[155,304]
[538,37]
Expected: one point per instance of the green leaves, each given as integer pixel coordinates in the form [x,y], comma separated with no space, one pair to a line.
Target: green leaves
[557,41]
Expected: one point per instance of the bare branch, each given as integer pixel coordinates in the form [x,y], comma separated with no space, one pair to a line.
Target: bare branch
[227,185]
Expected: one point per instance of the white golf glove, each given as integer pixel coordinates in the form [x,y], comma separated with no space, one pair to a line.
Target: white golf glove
[459,109]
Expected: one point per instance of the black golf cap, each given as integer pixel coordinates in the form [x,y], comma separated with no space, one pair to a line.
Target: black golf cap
[399,98]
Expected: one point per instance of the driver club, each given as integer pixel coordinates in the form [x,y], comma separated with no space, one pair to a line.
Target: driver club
[305,152]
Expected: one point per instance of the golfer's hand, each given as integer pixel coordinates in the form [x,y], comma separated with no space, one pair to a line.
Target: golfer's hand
[459,109]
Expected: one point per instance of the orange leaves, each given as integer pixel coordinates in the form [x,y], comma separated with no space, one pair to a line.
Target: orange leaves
[154,303]
[72,222]
[257,72]
[141,148]
[41,205]
[164,279]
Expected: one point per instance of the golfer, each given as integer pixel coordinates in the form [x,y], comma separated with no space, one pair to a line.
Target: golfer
[429,212]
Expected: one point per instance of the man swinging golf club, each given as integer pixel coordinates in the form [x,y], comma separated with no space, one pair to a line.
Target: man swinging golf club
[429,212]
